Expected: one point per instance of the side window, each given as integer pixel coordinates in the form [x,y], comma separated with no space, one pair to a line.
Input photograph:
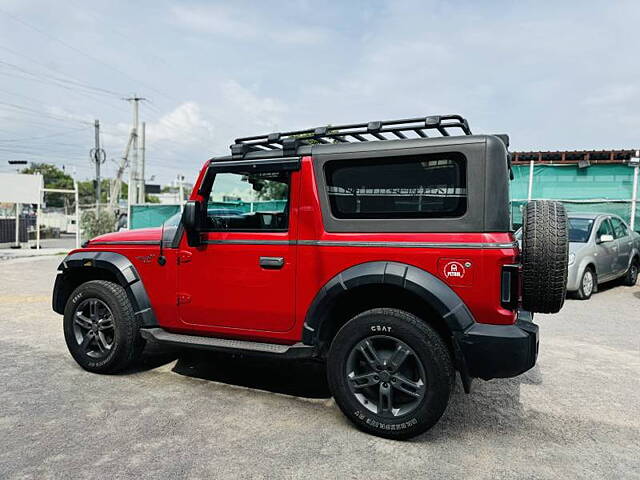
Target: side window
[619,228]
[605,229]
[249,202]
[418,186]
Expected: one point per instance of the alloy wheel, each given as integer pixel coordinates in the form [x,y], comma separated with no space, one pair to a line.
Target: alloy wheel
[93,328]
[386,376]
[634,273]
[587,283]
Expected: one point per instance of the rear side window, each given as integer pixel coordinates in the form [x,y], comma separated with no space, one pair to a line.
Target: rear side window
[420,186]
[618,227]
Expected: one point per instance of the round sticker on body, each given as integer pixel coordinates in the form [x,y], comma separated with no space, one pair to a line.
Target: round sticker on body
[454,270]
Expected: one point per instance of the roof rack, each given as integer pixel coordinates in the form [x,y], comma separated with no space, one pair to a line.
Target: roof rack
[288,142]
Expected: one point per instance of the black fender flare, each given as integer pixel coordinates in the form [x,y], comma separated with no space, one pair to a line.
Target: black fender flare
[425,285]
[115,263]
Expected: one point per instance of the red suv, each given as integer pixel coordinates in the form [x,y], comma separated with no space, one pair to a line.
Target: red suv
[384,249]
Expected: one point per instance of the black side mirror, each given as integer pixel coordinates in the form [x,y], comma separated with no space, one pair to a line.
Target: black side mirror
[191,220]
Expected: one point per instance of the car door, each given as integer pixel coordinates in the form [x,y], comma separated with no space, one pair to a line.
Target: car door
[606,253]
[625,244]
[243,275]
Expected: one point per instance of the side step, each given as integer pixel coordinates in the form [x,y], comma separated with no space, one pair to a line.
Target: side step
[224,344]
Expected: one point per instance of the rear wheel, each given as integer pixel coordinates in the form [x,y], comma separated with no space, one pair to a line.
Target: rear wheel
[100,328]
[390,373]
[588,284]
[631,277]
[545,255]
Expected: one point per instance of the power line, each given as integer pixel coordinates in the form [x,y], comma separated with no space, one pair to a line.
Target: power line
[32,111]
[47,67]
[77,50]
[61,134]
[61,79]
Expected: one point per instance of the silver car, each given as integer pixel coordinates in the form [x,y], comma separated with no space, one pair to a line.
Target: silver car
[601,248]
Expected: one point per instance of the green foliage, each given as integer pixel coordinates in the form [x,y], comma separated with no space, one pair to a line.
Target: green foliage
[92,225]
[152,199]
[87,191]
[53,177]
[273,191]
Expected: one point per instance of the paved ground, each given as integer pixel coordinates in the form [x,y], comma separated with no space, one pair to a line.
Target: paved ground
[48,246]
[576,415]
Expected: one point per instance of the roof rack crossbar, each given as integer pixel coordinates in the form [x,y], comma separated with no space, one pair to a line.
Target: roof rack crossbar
[354,132]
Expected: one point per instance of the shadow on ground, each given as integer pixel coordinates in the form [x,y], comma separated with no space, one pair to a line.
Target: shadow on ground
[300,378]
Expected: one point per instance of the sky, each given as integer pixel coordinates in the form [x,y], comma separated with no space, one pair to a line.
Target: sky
[553,75]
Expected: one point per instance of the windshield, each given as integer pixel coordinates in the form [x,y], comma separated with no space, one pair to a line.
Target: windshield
[173,220]
[580,229]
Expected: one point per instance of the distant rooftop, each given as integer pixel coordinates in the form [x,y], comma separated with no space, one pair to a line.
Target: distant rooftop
[594,157]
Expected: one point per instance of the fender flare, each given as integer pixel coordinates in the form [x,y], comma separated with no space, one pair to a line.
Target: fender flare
[115,263]
[425,285]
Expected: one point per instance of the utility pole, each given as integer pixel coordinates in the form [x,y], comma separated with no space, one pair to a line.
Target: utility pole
[133,166]
[635,162]
[97,156]
[141,187]
[180,190]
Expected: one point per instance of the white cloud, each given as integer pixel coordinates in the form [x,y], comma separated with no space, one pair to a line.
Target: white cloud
[215,19]
[237,23]
[184,125]
[613,94]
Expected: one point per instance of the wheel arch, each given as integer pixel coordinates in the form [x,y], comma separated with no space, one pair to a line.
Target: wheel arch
[384,284]
[81,267]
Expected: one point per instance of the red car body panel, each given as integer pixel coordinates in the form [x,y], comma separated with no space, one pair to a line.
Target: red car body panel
[220,289]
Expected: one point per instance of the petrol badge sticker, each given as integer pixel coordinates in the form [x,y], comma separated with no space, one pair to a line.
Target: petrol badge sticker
[454,270]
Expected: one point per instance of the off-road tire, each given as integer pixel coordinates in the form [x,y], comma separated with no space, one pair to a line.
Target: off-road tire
[428,348]
[127,344]
[545,256]
[631,277]
[581,294]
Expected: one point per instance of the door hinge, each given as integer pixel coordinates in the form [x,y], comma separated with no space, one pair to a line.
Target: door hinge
[184,257]
[183,298]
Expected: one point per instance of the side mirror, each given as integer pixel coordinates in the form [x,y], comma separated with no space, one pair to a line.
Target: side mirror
[191,220]
[605,238]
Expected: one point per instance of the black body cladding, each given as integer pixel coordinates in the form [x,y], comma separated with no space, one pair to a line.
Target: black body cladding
[97,265]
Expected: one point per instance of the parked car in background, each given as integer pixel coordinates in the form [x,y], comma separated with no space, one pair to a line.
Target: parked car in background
[601,248]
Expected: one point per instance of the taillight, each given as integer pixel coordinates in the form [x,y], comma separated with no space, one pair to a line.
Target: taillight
[510,286]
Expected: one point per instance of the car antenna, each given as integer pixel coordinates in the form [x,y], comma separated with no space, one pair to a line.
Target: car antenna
[162,260]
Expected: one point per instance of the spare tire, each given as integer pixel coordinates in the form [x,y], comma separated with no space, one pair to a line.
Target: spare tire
[545,256]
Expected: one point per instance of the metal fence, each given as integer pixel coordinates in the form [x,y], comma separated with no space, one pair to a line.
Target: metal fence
[597,189]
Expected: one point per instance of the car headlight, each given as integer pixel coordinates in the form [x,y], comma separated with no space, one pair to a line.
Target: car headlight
[572,258]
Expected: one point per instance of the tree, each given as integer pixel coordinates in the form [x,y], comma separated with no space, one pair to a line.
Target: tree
[92,225]
[272,190]
[53,177]
[87,191]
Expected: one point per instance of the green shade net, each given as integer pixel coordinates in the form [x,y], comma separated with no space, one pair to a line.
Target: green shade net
[596,189]
[152,215]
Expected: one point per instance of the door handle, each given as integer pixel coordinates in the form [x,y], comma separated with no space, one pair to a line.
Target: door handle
[272,263]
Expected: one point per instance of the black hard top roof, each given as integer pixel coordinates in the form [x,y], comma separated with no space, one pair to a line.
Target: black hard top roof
[357,137]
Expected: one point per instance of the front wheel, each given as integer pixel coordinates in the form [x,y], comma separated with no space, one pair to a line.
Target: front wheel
[587,284]
[100,327]
[390,373]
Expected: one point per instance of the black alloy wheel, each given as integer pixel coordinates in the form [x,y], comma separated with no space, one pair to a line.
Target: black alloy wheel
[390,373]
[100,328]
[385,376]
[93,327]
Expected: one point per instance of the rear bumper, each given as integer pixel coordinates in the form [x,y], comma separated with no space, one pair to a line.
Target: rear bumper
[498,351]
